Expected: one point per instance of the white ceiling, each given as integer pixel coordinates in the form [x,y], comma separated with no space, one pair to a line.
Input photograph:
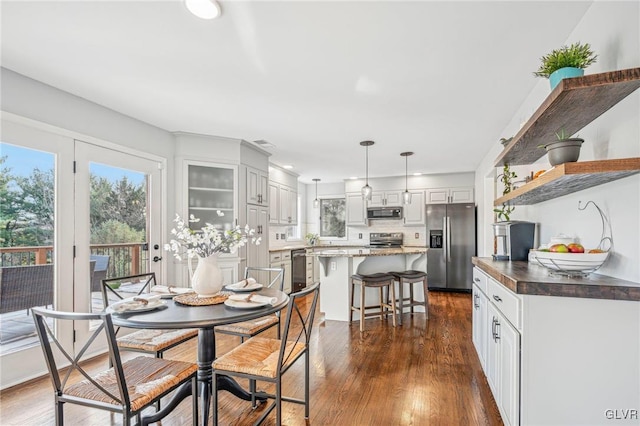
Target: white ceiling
[440,78]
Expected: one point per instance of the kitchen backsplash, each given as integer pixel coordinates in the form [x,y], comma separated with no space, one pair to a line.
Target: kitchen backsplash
[353,234]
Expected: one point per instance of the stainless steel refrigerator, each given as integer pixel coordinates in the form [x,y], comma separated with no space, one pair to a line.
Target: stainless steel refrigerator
[451,237]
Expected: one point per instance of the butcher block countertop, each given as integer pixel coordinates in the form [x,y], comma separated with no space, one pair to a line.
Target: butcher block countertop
[525,278]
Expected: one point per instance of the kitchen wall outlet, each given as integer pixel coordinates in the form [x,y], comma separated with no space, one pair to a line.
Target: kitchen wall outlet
[282,237]
[360,235]
[417,235]
[333,266]
[277,235]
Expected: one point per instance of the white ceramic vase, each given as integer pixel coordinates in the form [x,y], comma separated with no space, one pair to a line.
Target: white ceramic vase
[207,279]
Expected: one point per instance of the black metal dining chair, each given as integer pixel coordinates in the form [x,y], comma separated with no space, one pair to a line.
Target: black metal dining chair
[251,328]
[267,359]
[127,388]
[155,342]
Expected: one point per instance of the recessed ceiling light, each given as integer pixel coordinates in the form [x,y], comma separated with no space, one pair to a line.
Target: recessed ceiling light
[287,166]
[205,9]
[417,174]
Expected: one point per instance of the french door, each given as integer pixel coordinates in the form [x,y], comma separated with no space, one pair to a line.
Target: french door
[61,221]
[117,222]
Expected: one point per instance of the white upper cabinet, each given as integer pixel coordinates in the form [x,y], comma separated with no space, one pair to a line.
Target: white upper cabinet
[385,198]
[257,187]
[211,193]
[414,213]
[356,210]
[283,209]
[449,195]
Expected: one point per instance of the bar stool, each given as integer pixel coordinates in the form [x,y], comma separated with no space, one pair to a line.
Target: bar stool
[380,280]
[410,277]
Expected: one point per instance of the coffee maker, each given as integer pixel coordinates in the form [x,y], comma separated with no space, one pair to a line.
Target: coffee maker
[513,240]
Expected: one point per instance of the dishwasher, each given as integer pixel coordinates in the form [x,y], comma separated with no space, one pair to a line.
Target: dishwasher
[298,269]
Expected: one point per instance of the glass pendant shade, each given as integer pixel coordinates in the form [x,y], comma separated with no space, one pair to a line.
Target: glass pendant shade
[366,192]
[316,202]
[366,189]
[406,195]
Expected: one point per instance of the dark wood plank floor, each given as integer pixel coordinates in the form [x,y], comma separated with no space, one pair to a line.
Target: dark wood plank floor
[425,372]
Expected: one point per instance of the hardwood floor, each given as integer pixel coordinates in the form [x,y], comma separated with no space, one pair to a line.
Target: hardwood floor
[425,372]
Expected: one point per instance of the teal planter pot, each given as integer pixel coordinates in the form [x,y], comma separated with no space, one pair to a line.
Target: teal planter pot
[566,72]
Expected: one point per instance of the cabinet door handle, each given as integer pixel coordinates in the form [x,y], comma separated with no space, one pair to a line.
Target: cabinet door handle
[497,335]
[497,298]
[475,300]
[493,328]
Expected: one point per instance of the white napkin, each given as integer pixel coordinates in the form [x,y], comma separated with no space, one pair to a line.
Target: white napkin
[242,284]
[252,297]
[135,303]
[163,289]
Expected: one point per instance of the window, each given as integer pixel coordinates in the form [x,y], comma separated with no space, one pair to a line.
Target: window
[332,217]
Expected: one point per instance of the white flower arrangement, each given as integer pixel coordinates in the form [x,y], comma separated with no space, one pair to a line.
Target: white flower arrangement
[208,240]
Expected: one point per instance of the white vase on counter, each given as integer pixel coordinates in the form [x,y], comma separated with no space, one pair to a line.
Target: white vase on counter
[207,278]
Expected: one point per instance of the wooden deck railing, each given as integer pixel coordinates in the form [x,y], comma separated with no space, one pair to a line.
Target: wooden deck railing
[124,258]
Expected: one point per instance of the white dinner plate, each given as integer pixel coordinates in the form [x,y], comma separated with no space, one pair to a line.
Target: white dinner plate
[142,308]
[238,288]
[241,304]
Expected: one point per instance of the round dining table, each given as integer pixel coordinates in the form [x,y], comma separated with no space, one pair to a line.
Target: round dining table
[205,318]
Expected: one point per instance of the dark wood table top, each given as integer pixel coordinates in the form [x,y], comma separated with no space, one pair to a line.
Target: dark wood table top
[176,316]
[526,278]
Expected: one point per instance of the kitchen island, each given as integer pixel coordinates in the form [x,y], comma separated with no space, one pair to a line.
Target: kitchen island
[339,264]
[557,350]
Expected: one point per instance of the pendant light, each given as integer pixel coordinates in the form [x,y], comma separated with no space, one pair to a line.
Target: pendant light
[316,202]
[406,195]
[366,189]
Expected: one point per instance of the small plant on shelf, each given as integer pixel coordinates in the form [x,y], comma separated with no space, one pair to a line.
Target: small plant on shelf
[577,55]
[566,62]
[506,177]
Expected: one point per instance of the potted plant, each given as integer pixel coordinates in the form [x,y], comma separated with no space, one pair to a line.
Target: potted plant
[566,62]
[565,150]
[311,238]
[506,177]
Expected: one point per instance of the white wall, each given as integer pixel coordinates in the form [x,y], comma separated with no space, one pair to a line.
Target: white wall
[87,121]
[612,30]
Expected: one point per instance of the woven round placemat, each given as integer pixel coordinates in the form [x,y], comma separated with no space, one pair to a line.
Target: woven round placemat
[193,299]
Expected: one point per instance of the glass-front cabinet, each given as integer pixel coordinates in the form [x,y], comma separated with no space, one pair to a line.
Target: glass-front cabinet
[211,194]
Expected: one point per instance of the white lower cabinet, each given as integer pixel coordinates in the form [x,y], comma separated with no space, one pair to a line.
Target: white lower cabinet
[497,342]
[503,365]
[556,360]
[282,259]
[479,320]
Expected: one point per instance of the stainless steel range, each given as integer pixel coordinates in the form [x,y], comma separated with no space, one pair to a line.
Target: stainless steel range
[385,239]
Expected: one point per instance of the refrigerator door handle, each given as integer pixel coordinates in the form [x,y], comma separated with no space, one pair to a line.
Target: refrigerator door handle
[448,219]
[445,239]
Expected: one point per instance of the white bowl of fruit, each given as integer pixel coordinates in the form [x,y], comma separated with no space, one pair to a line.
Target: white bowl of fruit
[570,258]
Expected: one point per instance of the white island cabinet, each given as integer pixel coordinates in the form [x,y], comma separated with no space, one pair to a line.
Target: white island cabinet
[337,266]
[557,350]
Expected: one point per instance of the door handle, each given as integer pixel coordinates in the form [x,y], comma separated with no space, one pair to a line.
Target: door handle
[448,239]
[497,298]
[157,259]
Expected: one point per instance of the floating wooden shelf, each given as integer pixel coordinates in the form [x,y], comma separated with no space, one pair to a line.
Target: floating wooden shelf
[573,104]
[570,177]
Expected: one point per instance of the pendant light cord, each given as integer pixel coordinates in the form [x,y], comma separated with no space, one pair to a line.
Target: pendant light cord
[367,164]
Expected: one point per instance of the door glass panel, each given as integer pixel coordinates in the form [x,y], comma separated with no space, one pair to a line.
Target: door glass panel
[27,205]
[118,227]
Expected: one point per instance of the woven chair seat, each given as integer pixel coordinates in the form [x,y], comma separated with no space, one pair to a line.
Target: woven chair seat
[249,327]
[147,378]
[258,356]
[154,340]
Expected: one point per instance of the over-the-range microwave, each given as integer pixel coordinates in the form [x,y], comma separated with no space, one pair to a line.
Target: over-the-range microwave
[384,213]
